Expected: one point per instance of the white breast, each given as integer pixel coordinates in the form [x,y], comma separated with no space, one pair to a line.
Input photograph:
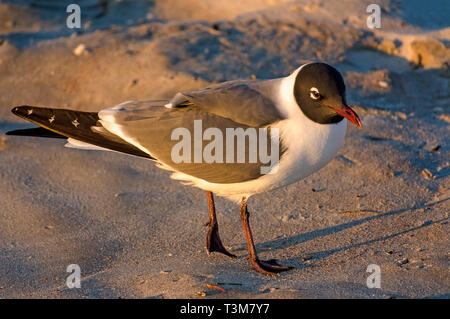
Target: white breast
[310,146]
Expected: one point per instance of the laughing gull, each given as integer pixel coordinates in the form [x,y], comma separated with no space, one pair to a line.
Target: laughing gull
[303,115]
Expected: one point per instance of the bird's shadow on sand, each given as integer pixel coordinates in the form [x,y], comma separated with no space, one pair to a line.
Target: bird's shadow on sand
[256,283]
[301,238]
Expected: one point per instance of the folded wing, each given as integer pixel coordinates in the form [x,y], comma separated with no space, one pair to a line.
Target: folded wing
[232,105]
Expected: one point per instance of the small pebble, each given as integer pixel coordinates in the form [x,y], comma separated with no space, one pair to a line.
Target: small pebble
[426,173]
[444,117]
[435,149]
[80,49]
[401,115]
[383,84]
[403,262]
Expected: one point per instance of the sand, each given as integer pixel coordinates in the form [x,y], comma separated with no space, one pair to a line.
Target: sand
[135,233]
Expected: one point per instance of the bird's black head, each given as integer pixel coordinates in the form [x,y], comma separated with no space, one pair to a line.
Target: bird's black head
[320,92]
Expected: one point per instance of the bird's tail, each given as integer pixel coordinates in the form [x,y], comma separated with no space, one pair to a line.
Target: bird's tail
[79,126]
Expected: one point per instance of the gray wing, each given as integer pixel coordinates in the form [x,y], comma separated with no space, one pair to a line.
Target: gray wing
[149,126]
[247,102]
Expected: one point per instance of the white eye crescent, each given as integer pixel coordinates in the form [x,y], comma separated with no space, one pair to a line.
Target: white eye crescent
[314,93]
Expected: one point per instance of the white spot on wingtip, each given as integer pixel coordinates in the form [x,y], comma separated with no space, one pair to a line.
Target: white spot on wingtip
[168,105]
[75,123]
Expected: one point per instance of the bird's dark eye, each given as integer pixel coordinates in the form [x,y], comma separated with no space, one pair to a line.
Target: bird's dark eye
[314,93]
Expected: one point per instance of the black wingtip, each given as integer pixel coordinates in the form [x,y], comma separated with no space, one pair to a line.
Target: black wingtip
[15,109]
[20,110]
[13,132]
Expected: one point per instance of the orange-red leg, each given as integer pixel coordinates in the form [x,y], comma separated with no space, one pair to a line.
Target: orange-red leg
[213,242]
[269,267]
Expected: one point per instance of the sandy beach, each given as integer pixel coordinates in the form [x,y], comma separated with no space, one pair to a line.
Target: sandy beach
[136,233]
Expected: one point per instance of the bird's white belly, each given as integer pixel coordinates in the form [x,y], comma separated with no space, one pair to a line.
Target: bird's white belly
[310,147]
